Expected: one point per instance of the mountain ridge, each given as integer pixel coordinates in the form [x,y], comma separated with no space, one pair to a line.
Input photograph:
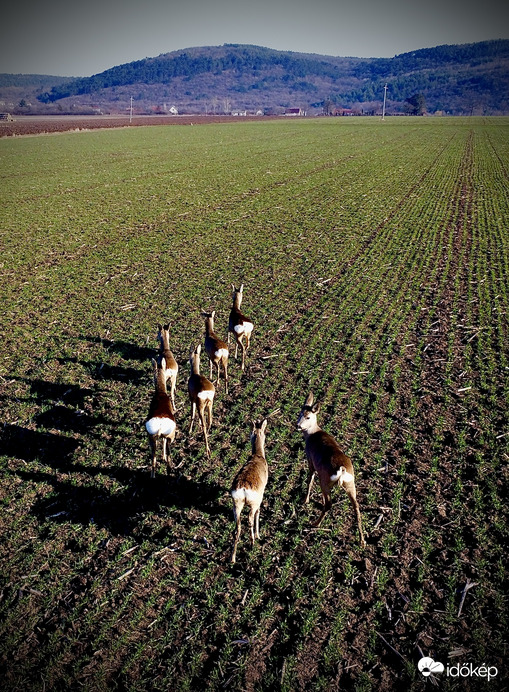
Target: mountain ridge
[456,79]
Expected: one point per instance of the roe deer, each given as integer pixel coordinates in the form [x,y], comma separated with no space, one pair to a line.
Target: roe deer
[327,461]
[249,484]
[216,349]
[239,325]
[163,336]
[161,417]
[201,394]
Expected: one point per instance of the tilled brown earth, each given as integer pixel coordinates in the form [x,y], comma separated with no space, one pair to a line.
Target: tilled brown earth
[36,125]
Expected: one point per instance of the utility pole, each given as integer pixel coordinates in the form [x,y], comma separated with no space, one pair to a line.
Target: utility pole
[131,111]
[385,96]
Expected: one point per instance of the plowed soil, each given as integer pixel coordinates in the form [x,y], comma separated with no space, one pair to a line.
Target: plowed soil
[36,125]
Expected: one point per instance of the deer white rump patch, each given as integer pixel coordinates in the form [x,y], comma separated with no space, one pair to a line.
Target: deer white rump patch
[206,394]
[221,353]
[246,494]
[245,327]
[342,476]
[160,426]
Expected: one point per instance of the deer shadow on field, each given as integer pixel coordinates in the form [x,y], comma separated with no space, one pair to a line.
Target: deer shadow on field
[63,405]
[125,349]
[99,370]
[44,392]
[115,498]
[33,445]
[120,510]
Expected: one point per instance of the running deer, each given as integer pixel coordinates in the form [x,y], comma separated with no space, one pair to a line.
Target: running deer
[239,325]
[163,336]
[201,394]
[327,461]
[216,349]
[161,417]
[249,484]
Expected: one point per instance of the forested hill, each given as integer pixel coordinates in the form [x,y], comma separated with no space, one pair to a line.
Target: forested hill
[450,78]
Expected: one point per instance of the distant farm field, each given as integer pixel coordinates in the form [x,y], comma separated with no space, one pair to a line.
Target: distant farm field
[374,258]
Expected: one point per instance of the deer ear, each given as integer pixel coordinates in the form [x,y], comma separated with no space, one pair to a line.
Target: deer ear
[263,425]
[159,326]
[198,349]
[315,408]
[213,314]
[233,287]
[241,288]
[309,400]
[154,363]
[163,364]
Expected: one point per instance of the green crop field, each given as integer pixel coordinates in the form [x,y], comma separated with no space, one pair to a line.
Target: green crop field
[374,257]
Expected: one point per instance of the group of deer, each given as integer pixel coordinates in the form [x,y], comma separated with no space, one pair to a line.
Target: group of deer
[160,421]
[325,458]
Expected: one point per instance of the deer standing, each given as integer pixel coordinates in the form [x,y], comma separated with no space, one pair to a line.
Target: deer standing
[327,461]
[201,394]
[163,336]
[216,349]
[249,484]
[239,325]
[161,417]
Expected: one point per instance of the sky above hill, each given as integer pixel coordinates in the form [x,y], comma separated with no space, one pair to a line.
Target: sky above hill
[81,39]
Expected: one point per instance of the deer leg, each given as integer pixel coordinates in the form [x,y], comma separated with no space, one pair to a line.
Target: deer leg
[326,507]
[311,480]
[193,412]
[225,368]
[203,425]
[258,523]
[209,410]
[352,495]
[165,456]
[210,376]
[252,513]
[236,513]
[242,346]
[152,441]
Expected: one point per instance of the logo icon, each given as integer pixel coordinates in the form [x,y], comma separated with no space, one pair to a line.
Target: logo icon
[427,666]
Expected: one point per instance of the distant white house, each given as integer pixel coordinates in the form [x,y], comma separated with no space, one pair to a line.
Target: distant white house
[295,111]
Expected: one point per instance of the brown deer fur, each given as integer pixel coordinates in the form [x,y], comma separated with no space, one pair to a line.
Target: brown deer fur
[249,484]
[163,336]
[201,394]
[161,417]
[327,461]
[217,350]
[239,325]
